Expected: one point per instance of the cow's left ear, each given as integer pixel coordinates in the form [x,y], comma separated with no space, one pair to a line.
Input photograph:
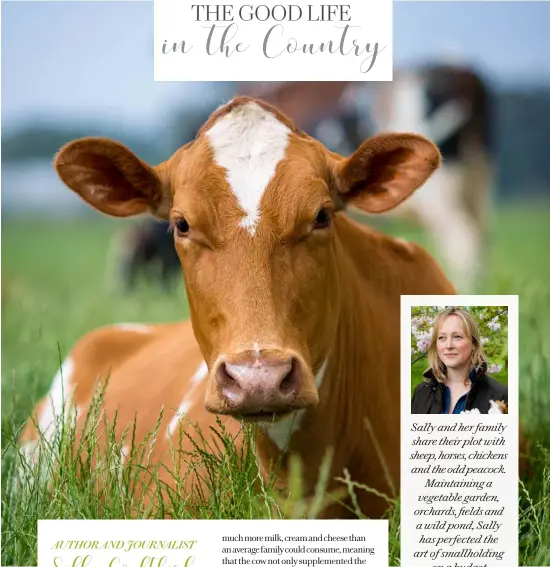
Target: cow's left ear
[385,170]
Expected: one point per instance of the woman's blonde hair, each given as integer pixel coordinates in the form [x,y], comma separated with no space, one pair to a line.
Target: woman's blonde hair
[477,357]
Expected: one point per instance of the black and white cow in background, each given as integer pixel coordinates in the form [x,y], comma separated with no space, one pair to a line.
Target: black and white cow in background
[448,103]
[451,106]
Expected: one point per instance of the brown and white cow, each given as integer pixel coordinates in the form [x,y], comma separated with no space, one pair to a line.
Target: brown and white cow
[294,307]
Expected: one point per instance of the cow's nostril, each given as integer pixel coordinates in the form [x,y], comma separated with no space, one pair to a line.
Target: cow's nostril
[291,381]
[229,386]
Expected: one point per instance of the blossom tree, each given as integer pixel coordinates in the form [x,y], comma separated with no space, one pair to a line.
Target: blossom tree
[493,326]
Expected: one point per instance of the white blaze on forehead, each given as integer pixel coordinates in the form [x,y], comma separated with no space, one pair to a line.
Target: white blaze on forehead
[249,142]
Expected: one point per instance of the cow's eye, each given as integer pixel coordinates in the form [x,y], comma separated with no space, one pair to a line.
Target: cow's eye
[182,227]
[323,219]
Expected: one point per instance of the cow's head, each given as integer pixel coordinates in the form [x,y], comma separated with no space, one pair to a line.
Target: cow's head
[253,202]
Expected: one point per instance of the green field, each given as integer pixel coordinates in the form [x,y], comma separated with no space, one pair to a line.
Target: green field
[53,291]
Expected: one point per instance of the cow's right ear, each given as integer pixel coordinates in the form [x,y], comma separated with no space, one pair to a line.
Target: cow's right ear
[112,179]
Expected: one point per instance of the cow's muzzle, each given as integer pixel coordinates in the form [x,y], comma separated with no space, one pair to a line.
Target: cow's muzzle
[254,386]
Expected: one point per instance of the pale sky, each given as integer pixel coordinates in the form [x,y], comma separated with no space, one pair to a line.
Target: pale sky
[94,60]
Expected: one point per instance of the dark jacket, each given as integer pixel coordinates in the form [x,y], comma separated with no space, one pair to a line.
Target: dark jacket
[430,395]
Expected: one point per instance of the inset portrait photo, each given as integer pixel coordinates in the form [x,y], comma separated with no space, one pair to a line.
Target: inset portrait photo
[459,359]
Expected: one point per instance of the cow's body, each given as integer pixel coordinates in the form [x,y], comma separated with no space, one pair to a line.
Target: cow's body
[328,299]
[167,371]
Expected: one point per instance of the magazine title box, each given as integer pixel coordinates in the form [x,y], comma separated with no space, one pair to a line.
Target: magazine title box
[270,41]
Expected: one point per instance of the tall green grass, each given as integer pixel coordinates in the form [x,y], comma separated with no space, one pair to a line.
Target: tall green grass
[99,477]
[53,291]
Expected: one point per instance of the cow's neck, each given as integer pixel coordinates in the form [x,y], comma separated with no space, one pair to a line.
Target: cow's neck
[339,412]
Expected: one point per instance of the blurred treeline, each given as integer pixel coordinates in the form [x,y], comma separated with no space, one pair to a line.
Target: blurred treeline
[520,138]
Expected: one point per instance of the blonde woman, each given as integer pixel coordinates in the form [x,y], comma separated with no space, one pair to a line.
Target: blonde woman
[457,378]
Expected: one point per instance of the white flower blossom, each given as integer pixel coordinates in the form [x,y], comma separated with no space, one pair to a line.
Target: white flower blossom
[424,335]
[423,339]
[494,407]
[494,368]
[423,345]
[494,325]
